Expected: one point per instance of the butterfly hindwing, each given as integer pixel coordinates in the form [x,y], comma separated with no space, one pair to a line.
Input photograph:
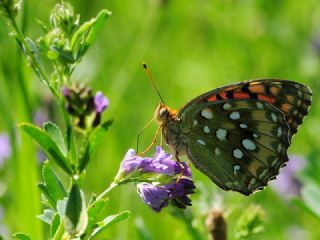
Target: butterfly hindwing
[240,144]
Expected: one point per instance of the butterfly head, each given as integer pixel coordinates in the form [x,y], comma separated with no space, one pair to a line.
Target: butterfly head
[163,113]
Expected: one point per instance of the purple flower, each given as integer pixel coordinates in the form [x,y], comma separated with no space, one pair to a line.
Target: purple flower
[82,104]
[287,184]
[158,177]
[158,196]
[154,196]
[100,102]
[161,165]
[132,163]
[5,148]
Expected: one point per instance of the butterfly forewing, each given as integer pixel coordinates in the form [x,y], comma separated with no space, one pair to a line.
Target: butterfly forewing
[239,143]
[292,98]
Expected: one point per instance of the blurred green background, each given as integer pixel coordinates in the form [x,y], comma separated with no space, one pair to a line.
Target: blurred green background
[190,47]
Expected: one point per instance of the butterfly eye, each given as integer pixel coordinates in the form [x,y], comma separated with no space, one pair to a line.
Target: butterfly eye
[163,112]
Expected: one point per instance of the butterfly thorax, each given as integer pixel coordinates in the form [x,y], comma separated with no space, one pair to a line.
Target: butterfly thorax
[172,131]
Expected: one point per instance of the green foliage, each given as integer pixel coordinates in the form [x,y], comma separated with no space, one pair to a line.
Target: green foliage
[76,216]
[311,195]
[54,189]
[109,221]
[56,135]
[48,145]
[21,236]
[250,222]
[91,145]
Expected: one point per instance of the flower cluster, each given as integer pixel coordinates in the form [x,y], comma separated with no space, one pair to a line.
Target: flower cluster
[161,179]
[82,104]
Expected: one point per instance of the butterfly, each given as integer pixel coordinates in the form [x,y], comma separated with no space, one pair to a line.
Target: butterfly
[238,135]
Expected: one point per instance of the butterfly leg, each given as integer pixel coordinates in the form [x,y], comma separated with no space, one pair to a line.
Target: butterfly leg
[182,166]
[152,143]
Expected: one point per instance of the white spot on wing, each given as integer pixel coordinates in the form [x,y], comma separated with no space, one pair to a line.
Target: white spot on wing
[207,113]
[206,129]
[263,173]
[255,135]
[195,122]
[274,162]
[252,182]
[201,142]
[236,168]
[274,117]
[237,153]
[242,125]
[227,106]
[259,105]
[217,151]
[248,144]
[235,115]
[279,132]
[221,134]
[279,147]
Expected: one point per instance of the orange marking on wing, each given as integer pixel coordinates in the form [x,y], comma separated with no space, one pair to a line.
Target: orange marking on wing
[274,90]
[290,98]
[286,107]
[212,98]
[257,88]
[241,95]
[266,98]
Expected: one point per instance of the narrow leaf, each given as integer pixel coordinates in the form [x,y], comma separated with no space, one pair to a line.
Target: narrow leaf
[94,211]
[47,216]
[61,207]
[56,135]
[55,224]
[92,144]
[47,144]
[97,26]
[53,183]
[21,236]
[311,195]
[86,34]
[47,195]
[76,218]
[109,221]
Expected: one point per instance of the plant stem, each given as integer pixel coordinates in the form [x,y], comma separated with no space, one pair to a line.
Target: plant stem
[105,192]
[60,231]
[30,54]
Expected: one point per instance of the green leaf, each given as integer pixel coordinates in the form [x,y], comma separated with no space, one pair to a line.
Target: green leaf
[250,222]
[61,207]
[94,210]
[56,135]
[90,148]
[83,38]
[47,216]
[109,221]
[311,195]
[55,224]
[47,144]
[53,183]
[97,26]
[21,236]
[76,218]
[46,193]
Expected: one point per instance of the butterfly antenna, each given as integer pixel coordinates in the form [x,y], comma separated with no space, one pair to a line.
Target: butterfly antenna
[152,82]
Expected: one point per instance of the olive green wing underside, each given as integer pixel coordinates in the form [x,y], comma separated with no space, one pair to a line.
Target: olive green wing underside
[239,144]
